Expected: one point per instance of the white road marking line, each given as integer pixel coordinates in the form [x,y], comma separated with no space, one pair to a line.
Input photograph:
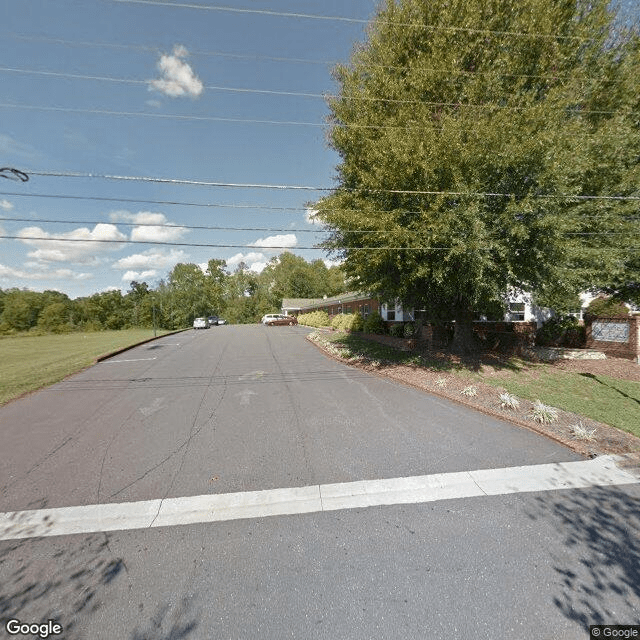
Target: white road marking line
[599,472]
[132,360]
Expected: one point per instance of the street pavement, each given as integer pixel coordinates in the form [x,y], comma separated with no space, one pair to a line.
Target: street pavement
[239,413]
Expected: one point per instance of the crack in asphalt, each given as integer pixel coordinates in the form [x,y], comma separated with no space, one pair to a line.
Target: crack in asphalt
[82,427]
[294,406]
[193,433]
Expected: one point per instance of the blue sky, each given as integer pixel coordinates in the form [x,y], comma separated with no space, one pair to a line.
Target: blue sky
[166,63]
[171,58]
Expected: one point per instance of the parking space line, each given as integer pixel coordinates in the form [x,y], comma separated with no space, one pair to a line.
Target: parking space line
[599,472]
[132,360]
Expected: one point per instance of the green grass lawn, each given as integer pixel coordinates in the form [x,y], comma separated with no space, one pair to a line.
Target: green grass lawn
[609,400]
[31,362]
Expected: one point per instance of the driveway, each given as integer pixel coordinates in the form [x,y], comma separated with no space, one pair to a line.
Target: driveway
[188,442]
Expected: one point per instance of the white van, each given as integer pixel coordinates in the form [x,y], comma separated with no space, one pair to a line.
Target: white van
[200,323]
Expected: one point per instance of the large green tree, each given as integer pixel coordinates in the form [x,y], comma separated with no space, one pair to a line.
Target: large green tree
[477,138]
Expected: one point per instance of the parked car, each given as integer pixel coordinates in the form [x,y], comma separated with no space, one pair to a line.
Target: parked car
[269,316]
[200,323]
[278,319]
[214,321]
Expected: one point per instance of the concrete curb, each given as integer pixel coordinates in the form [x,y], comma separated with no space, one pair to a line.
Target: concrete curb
[106,356]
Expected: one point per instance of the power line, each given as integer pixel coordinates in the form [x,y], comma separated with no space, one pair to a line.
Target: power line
[576,109]
[309,16]
[236,246]
[205,183]
[218,205]
[241,56]
[170,225]
[72,174]
[224,246]
[166,116]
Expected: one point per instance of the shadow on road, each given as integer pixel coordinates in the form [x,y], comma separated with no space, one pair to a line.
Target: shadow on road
[77,582]
[598,567]
[166,624]
[42,579]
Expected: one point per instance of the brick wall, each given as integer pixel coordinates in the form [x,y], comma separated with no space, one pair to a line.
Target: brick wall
[617,337]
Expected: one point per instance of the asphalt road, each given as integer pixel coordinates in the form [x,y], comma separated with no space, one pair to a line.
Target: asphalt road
[239,409]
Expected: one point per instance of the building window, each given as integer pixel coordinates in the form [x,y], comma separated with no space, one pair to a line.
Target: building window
[339,310]
[391,313]
[516,311]
[366,310]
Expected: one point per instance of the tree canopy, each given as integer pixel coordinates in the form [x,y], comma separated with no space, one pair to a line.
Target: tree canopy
[483,144]
[189,291]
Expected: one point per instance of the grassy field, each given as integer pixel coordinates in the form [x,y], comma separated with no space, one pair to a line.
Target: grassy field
[31,362]
[609,400]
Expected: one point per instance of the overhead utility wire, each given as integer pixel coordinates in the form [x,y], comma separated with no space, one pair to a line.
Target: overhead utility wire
[206,183]
[167,116]
[216,205]
[305,94]
[241,56]
[171,116]
[310,16]
[228,246]
[225,246]
[171,225]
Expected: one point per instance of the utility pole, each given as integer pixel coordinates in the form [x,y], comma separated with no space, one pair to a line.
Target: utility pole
[154,320]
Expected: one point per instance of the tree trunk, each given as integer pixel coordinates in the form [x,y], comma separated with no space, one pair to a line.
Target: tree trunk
[463,339]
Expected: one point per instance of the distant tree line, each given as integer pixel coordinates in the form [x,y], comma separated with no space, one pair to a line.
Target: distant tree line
[187,292]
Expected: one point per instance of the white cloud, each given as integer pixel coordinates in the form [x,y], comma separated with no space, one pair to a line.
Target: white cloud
[177,78]
[151,259]
[332,263]
[257,267]
[5,205]
[139,275]
[165,231]
[45,274]
[247,258]
[82,249]
[254,260]
[288,240]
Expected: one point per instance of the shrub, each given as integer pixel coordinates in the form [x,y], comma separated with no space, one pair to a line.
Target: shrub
[374,323]
[410,330]
[507,401]
[347,322]
[542,413]
[314,319]
[607,307]
[396,330]
[564,331]
[357,322]
[580,432]
[470,391]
